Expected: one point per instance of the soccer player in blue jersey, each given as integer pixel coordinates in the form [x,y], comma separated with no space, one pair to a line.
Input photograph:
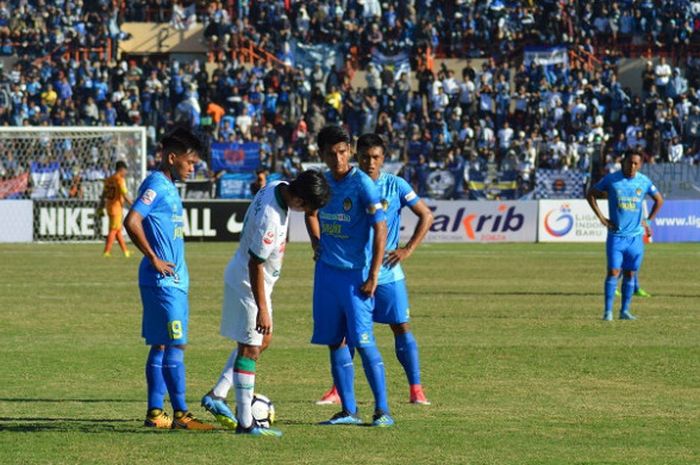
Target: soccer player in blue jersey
[391,297]
[155,225]
[625,191]
[348,237]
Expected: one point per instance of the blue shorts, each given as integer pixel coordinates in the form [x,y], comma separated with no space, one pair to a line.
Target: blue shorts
[624,252]
[165,315]
[391,303]
[341,310]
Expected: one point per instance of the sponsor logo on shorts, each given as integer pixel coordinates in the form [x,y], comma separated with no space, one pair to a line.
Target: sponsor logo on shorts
[149,196]
[364,338]
[269,237]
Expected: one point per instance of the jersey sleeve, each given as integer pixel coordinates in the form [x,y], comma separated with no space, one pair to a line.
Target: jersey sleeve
[149,195]
[265,232]
[652,190]
[122,187]
[407,195]
[603,184]
[371,201]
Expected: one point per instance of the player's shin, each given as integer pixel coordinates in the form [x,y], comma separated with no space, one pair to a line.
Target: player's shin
[244,382]
[174,376]
[223,386]
[627,292]
[154,378]
[610,286]
[344,377]
[407,353]
[374,370]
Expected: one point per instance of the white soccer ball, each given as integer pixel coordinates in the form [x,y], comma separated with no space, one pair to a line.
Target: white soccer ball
[263,410]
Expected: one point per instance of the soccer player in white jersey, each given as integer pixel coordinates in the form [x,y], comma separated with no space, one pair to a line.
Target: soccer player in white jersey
[248,281]
[391,298]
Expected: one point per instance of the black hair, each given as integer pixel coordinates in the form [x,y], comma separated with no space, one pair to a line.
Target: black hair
[369,140]
[181,141]
[331,135]
[120,165]
[311,187]
[631,153]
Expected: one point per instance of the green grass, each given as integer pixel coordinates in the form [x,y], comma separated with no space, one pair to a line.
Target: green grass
[518,365]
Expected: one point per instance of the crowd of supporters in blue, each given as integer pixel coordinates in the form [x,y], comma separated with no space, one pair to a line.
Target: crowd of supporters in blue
[494,113]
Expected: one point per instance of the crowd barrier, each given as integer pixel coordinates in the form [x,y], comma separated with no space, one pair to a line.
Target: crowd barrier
[454,221]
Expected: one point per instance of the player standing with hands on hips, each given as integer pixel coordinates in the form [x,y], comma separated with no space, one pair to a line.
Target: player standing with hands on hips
[348,236]
[248,282]
[155,225]
[624,247]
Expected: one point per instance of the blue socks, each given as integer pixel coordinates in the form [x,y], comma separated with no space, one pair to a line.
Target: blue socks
[174,375]
[627,291]
[407,353]
[374,371]
[344,377]
[154,379]
[610,287]
[636,282]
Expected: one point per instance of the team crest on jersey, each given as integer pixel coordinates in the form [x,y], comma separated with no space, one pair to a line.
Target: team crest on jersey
[385,204]
[269,237]
[347,204]
[149,196]
[638,192]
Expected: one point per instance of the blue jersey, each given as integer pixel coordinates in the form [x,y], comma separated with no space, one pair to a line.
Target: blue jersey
[347,219]
[160,205]
[625,197]
[395,193]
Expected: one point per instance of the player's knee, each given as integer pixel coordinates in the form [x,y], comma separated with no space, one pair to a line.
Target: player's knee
[158,347]
[180,346]
[247,351]
[400,328]
[614,272]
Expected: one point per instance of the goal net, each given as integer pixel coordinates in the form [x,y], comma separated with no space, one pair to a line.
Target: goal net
[62,170]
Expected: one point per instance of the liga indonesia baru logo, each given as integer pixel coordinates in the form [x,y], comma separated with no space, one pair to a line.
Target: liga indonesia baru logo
[558,222]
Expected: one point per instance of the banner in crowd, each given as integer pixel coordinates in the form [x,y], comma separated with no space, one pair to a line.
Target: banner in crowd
[211,220]
[503,187]
[461,221]
[326,55]
[677,221]
[675,180]
[559,184]
[17,221]
[46,180]
[570,220]
[235,157]
[14,187]
[546,56]
[398,64]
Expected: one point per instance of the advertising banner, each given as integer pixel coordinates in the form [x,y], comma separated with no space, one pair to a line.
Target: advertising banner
[16,224]
[461,221]
[212,220]
[677,221]
[570,221]
[15,187]
[675,180]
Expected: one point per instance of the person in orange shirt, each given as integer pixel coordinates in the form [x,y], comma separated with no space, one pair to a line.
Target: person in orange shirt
[112,201]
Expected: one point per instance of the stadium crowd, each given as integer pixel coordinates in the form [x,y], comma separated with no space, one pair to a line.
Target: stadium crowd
[497,114]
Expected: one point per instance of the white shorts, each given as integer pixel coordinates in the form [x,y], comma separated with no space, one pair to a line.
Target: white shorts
[239,314]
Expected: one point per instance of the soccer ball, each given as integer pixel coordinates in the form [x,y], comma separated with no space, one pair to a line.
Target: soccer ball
[263,410]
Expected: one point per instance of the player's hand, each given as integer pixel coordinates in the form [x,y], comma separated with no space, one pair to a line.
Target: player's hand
[163,267]
[263,322]
[369,286]
[317,251]
[609,224]
[647,228]
[396,256]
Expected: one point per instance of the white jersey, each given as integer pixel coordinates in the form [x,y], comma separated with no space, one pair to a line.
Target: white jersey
[264,236]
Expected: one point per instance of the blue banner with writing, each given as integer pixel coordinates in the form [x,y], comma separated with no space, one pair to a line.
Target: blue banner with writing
[234,157]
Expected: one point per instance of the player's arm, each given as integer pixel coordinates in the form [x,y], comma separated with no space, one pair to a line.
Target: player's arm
[378,244]
[134,227]
[125,194]
[425,220]
[658,202]
[256,274]
[313,228]
[592,197]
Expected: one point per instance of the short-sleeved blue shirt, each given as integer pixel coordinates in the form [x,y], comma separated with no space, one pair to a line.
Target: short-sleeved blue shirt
[159,204]
[625,197]
[395,193]
[346,220]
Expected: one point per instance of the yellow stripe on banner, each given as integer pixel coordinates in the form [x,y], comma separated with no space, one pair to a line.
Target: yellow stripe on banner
[476,185]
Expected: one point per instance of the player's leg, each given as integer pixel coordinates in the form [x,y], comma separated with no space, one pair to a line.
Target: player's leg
[614,260]
[122,243]
[156,416]
[391,307]
[632,259]
[361,336]
[329,330]
[111,235]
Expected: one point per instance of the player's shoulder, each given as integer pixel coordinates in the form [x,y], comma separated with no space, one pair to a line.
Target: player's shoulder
[641,177]
[362,178]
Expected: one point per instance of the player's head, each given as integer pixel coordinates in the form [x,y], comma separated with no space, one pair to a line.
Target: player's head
[121,168]
[180,150]
[334,146]
[370,154]
[309,191]
[632,163]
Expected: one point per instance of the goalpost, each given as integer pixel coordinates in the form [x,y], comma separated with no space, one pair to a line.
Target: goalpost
[62,170]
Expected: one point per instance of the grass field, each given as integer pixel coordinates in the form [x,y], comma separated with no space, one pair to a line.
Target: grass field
[518,365]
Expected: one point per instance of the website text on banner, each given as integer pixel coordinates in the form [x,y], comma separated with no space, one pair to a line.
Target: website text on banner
[570,220]
[677,221]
